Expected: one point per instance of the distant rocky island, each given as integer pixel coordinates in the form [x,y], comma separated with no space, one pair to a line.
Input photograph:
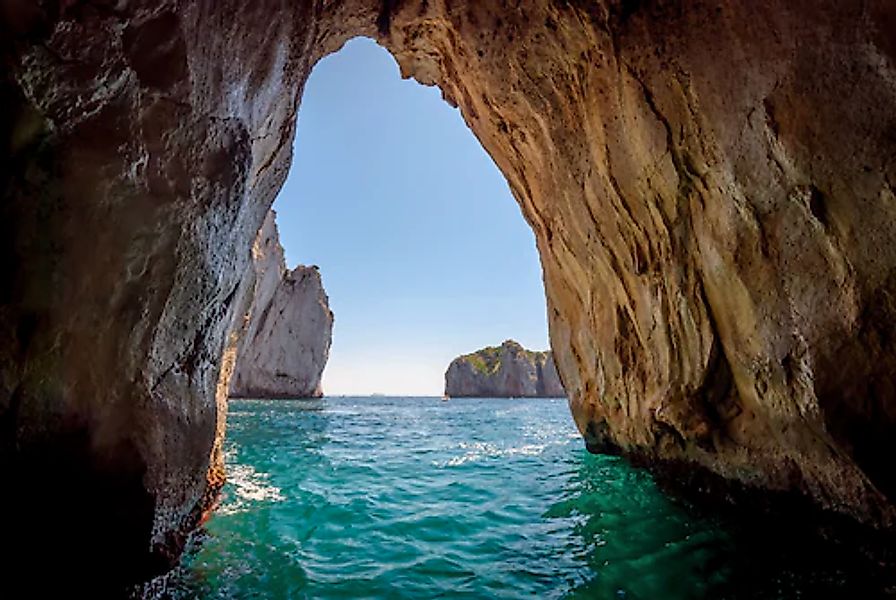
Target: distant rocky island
[508,370]
[286,342]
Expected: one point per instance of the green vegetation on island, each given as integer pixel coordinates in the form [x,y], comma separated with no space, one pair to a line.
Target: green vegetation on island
[487,361]
[505,370]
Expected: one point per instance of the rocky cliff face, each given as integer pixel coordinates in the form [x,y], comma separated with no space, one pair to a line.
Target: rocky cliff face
[711,187]
[284,349]
[508,370]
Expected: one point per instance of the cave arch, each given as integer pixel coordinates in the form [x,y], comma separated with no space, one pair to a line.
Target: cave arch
[421,247]
[715,225]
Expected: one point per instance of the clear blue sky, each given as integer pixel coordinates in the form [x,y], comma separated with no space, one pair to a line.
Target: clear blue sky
[423,251]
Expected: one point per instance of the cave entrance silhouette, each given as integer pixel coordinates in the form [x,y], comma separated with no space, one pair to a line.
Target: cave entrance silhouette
[421,246]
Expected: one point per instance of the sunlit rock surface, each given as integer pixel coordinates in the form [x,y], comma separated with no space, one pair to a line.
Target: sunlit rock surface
[508,370]
[711,187]
[283,352]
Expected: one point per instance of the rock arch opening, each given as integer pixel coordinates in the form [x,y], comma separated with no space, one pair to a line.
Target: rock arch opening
[674,161]
[420,245]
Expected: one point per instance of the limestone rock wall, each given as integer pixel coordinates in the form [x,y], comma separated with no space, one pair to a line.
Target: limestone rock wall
[715,222]
[711,187]
[284,349]
[550,384]
[505,371]
[141,146]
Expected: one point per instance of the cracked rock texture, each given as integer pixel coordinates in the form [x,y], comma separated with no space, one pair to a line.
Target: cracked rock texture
[508,370]
[711,187]
[284,348]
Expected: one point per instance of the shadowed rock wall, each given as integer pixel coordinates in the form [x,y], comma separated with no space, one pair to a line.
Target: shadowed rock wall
[711,186]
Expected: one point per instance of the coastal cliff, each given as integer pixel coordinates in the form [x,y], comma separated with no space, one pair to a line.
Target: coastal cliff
[508,370]
[284,349]
[711,186]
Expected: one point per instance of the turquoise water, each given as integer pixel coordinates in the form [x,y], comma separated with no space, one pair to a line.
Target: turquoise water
[471,498]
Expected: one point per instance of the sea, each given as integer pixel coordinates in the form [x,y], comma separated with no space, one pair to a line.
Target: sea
[382,497]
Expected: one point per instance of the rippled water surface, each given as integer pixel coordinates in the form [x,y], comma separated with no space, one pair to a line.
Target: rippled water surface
[471,498]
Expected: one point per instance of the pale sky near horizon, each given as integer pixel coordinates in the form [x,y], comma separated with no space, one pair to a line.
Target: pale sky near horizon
[423,251]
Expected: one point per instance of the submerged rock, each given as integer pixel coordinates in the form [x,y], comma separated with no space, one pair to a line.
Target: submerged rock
[284,349]
[508,370]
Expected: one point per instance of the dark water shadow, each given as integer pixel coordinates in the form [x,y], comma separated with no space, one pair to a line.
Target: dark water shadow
[642,543]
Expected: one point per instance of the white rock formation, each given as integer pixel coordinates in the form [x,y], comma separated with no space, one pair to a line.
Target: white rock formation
[286,343]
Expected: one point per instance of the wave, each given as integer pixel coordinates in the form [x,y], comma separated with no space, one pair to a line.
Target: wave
[476,451]
[246,487]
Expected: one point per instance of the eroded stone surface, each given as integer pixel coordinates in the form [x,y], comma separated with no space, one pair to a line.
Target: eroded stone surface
[284,349]
[508,370]
[711,187]
[714,222]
